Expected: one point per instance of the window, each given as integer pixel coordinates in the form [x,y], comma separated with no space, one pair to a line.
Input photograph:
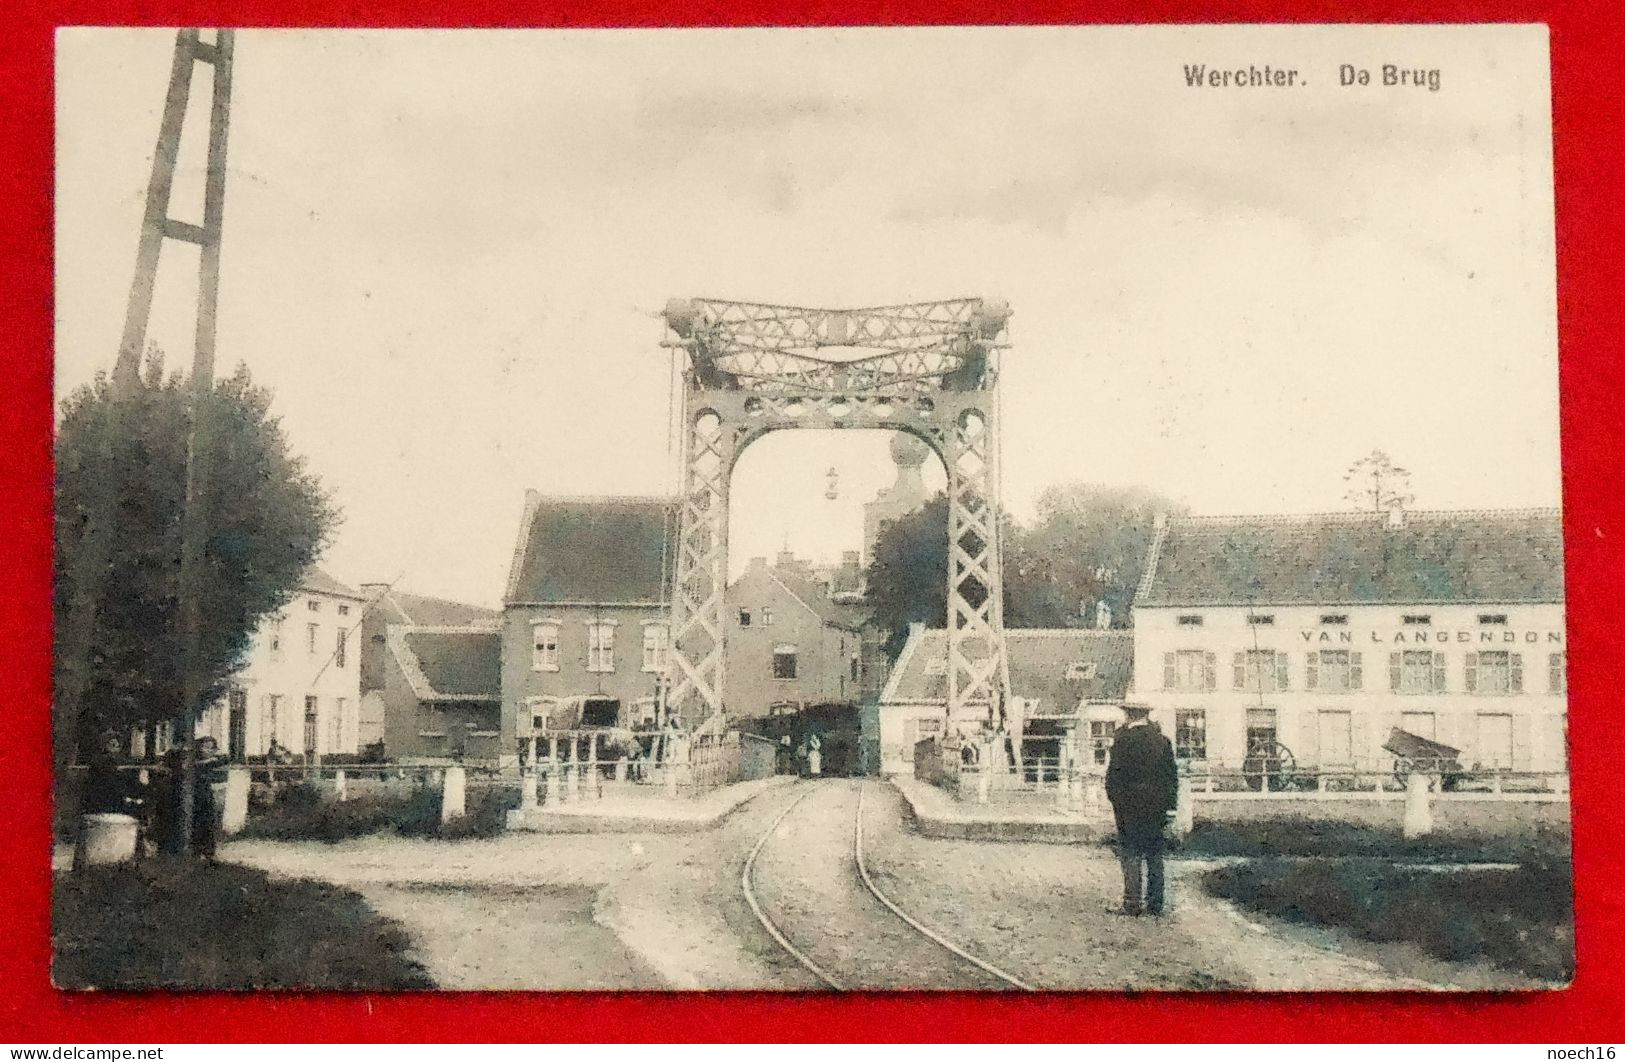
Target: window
[600,647]
[767,617]
[276,638]
[1261,670]
[310,726]
[744,617]
[1190,733]
[544,646]
[1557,673]
[1335,619]
[1487,619]
[1336,731]
[1101,733]
[1495,671]
[784,661]
[1493,740]
[1260,727]
[335,726]
[1188,669]
[1334,671]
[313,606]
[310,637]
[1080,671]
[344,610]
[1416,671]
[654,646]
[1416,620]
[1261,620]
[1190,620]
[338,650]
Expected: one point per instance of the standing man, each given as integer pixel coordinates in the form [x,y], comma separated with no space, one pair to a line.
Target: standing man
[1142,783]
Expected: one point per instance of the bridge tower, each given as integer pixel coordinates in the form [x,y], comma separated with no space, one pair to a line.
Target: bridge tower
[930,369]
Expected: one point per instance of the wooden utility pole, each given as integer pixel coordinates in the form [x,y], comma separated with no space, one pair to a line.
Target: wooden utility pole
[98,555]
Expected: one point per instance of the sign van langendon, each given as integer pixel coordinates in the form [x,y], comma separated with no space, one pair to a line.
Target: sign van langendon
[1431,636]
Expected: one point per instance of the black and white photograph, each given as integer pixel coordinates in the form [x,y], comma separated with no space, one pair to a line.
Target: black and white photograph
[808,509]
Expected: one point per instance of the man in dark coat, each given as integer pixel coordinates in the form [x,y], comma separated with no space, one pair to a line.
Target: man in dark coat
[1142,782]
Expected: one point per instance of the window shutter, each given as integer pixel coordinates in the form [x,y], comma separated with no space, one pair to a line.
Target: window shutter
[1239,671]
[1283,672]
[1356,673]
[1438,673]
[1168,675]
[1523,729]
[1394,671]
[1210,667]
[1516,660]
[1470,679]
[1311,678]
[1309,736]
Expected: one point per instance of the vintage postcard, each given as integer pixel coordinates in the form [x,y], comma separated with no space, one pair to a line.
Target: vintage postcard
[999,508]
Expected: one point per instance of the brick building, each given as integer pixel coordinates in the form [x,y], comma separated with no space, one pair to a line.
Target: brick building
[388,608]
[794,636]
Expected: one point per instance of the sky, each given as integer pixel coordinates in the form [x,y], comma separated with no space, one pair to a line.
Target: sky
[446,253]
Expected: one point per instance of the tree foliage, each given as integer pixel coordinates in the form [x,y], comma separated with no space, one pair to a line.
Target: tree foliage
[267,518]
[1087,544]
[1377,484]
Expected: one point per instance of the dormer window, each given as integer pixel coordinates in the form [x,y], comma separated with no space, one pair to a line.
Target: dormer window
[1081,671]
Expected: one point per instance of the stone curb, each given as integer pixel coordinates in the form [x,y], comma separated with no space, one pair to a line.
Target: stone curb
[929,821]
[542,821]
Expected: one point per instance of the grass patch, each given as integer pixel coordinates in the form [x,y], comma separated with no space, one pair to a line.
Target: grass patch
[1308,837]
[1520,919]
[177,923]
[300,813]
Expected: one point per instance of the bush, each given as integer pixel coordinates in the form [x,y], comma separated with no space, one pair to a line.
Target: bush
[414,814]
[1520,919]
[1309,837]
[176,923]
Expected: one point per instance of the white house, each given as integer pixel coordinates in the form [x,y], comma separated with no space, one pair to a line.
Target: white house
[302,681]
[1324,633]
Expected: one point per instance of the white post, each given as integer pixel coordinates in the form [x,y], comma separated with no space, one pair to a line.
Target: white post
[620,768]
[341,786]
[554,793]
[453,790]
[1184,808]
[593,778]
[1418,808]
[1093,795]
[235,813]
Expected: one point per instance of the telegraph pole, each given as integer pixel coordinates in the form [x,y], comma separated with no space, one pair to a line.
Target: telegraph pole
[98,555]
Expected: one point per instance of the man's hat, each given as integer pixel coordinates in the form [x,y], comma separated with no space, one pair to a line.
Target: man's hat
[1132,710]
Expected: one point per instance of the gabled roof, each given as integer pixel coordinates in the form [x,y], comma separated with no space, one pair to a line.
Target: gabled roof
[1505,556]
[597,550]
[316,581]
[1058,667]
[419,611]
[814,596]
[450,663]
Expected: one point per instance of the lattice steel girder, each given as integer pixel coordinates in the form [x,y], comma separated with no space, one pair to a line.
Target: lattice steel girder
[960,426]
[756,346]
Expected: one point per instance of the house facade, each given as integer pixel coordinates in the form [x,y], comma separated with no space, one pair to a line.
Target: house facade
[1060,673]
[301,684]
[1324,633]
[585,614]
[794,636]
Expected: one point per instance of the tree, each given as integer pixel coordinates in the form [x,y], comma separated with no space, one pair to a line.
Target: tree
[267,517]
[1087,545]
[1376,483]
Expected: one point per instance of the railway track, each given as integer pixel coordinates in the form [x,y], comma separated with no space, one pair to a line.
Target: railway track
[823,908]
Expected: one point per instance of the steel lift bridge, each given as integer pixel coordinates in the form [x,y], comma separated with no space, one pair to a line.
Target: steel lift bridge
[929,368]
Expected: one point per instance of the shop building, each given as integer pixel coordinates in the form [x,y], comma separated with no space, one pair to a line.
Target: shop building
[1324,633]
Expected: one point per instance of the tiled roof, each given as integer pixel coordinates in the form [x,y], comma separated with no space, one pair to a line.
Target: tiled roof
[416,610]
[604,550]
[815,596]
[450,663]
[1504,556]
[316,581]
[1058,667]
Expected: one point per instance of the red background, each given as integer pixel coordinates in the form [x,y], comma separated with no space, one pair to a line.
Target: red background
[1588,74]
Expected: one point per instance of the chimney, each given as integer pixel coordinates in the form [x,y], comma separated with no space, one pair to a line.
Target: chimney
[758,564]
[1103,616]
[785,560]
[1159,521]
[1396,515]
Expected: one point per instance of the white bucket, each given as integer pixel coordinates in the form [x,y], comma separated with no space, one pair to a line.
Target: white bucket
[106,838]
